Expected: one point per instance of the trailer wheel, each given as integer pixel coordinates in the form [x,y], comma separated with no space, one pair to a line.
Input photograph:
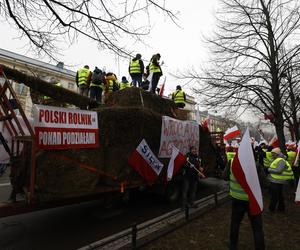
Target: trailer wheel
[172,192]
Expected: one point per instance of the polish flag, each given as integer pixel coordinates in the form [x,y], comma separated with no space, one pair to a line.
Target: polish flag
[274,142]
[176,162]
[231,132]
[205,124]
[149,78]
[145,162]
[162,88]
[244,170]
[297,199]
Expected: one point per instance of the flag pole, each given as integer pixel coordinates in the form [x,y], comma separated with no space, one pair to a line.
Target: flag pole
[199,172]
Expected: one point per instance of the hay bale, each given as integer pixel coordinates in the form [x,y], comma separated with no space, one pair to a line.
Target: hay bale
[121,129]
[136,97]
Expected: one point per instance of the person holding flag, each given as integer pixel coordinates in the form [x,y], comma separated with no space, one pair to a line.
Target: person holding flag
[246,193]
[191,172]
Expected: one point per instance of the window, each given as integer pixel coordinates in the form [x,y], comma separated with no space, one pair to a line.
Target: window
[70,85]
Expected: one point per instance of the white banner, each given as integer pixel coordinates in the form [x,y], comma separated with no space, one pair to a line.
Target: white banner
[144,150]
[181,134]
[61,128]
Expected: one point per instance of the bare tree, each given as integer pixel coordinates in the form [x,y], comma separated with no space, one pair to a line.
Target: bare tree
[291,100]
[48,24]
[247,61]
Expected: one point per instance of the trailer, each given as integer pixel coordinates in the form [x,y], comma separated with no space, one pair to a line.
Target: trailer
[59,177]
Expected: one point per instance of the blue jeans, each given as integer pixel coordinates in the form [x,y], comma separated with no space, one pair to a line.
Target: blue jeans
[136,80]
[96,93]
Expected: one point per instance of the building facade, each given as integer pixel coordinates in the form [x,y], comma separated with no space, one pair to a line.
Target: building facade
[42,70]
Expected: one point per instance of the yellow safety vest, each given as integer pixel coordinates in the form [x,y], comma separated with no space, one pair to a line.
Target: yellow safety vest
[287,174]
[124,85]
[135,67]
[178,96]
[83,76]
[58,84]
[153,68]
[236,191]
[268,159]
[291,157]
[230,156]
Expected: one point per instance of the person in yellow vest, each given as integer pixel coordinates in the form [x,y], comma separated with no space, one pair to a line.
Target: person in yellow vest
[83,79]
[291,154]
[97,85]
[267,159]
[124,83]
[136,70]
[111,86]
[229,155]
[280,173]
[240,206]
[154,69]
[179,97]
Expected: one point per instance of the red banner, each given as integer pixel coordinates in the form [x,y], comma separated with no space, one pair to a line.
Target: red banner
[62,128]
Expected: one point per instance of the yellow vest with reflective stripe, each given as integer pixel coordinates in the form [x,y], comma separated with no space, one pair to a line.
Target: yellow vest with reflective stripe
[236,191]
[268,159]
[153,68]
[230,156]
[135,67]
[287,174]
[291,157]
[124,85]
[83,76]
[110,85]
[178,96]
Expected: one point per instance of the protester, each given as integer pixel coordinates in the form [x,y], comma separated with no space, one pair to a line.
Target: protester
[240,206]
[179,97]
[136,70]
[280,173]
[97,85]
[154,69]
[124,83]
[190,173]
[83,79]
[145,82]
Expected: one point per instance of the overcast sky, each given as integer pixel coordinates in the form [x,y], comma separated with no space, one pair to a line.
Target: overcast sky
[180,47]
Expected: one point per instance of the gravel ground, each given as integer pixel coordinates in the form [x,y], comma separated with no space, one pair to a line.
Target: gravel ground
[211,230]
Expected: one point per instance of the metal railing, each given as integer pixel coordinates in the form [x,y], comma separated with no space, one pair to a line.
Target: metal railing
[141,235]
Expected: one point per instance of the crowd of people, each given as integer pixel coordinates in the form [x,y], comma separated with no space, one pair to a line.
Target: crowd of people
[275,171]
[94,84]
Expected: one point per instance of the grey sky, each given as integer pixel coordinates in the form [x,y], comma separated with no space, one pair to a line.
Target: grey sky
[180,48]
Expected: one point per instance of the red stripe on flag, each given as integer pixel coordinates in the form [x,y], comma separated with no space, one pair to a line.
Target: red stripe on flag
[232,134]
[142,167]
[241,179]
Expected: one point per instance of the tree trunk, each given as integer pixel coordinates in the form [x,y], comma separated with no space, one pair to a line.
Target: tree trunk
[58,93]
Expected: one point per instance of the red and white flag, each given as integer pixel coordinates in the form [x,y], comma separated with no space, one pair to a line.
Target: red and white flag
[205,123]
[145,162]
[162,88]
[274,142]
[297,199]
[296,162]
[176,162]
[244,170]
[231,132]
